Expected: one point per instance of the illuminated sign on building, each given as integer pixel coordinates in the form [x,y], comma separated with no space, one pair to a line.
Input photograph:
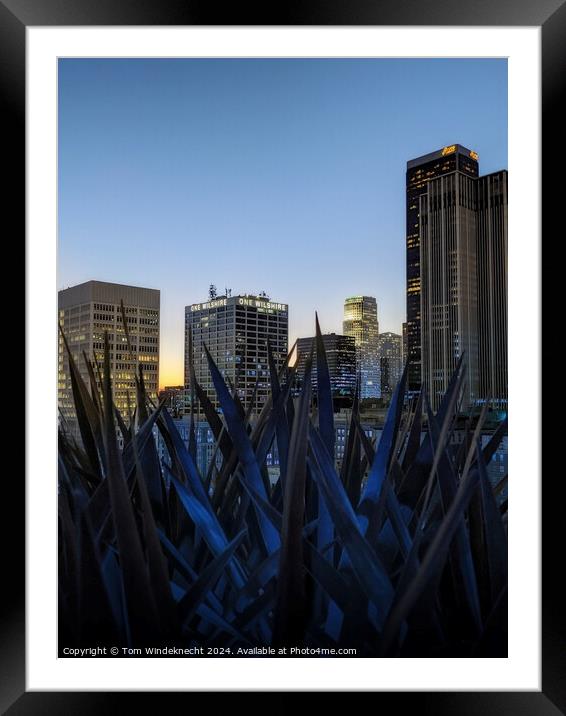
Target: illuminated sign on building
[448,150]
[210,304]
[262,304]
[242,301]
[474,155]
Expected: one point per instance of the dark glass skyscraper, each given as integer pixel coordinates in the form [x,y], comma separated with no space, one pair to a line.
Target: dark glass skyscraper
[341,357]
[420,171]
[449,292]
[390,362]
[492,287]
[457,275]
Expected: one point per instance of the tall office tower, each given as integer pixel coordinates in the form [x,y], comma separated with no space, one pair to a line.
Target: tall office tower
[492,288]
[360,321]
[341,357]
[390,361]
[448,285]
[236,330]
[88,310]
[453,159]
[404,349]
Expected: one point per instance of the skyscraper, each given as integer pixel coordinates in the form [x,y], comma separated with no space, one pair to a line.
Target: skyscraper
[492,287]
[341,357]
[404,347]
[88,310]
[236,330]
[360,322]
[390,362]
[420,171]
[449,294]
[462,276]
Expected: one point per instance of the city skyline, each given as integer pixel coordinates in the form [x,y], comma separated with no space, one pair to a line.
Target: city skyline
[192,172]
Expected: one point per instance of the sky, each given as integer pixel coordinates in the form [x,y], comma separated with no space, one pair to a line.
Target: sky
[278,175]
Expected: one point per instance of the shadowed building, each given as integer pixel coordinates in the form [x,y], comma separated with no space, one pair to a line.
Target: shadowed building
[236,331]
[449,293]
[492,288]
[88,310]
[390,362]
[341,357]
[453,159]
[457,267]
[360,322]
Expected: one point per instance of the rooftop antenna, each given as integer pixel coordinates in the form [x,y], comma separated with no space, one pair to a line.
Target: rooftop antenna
[212,291]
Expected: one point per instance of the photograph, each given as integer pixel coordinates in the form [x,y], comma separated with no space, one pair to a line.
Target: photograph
[282,368]
[283,319]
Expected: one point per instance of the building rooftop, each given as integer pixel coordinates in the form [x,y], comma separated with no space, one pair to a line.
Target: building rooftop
[444,152]
[245,299]
[106,292]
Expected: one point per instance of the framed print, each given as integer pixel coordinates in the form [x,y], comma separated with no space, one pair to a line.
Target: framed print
[284,316]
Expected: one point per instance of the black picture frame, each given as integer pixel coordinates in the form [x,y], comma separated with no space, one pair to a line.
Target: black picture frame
[15,16]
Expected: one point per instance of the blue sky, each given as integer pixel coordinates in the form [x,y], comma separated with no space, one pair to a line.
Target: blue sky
[285,176]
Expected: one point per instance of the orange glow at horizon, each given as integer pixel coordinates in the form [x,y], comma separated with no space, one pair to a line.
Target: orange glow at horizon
[170,373]
[172,370]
